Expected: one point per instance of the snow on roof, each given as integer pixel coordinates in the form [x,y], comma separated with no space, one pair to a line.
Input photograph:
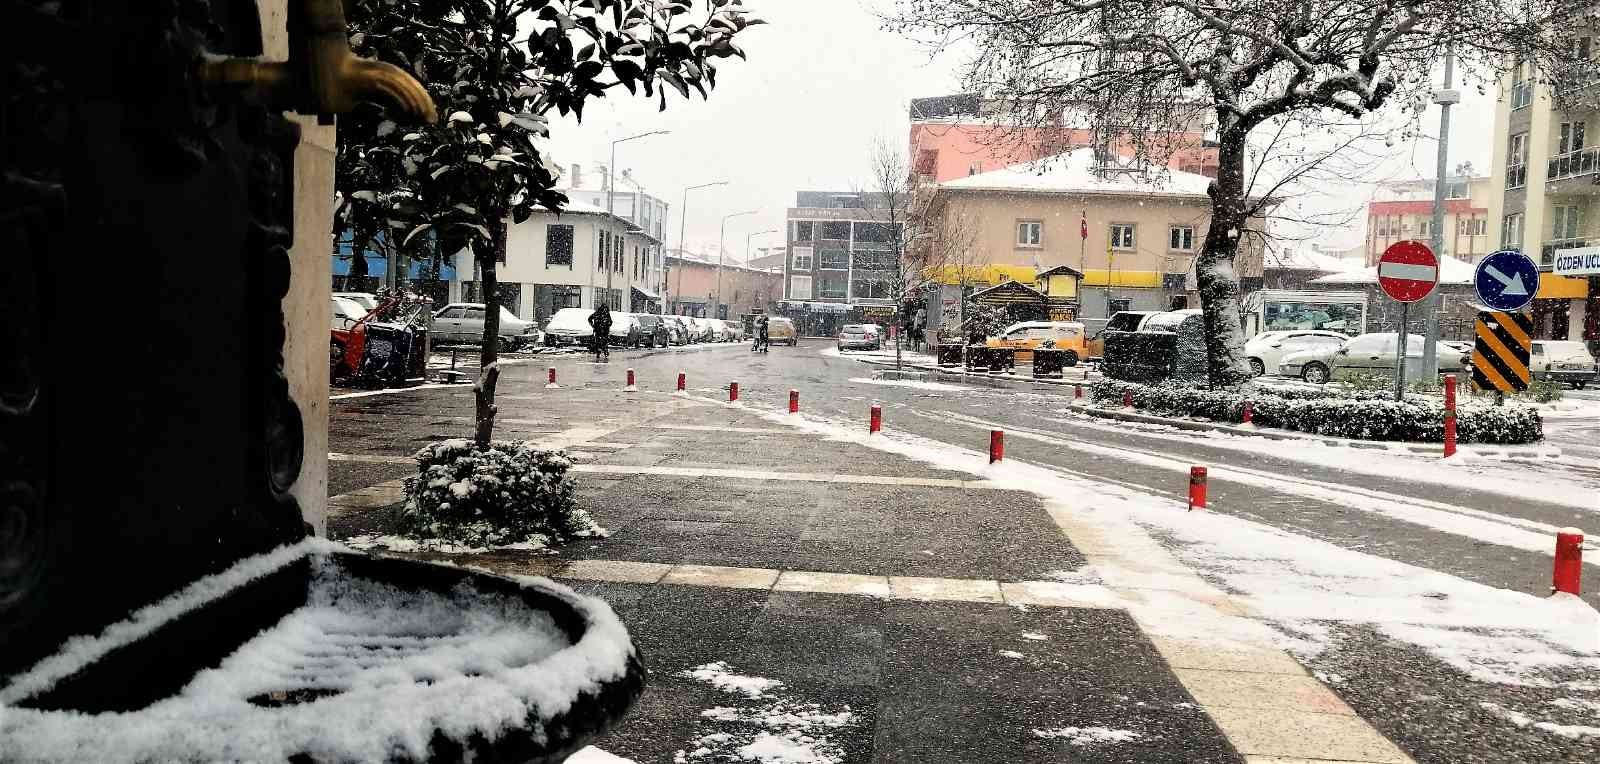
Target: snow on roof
[1451,271]
[1075,172]
[1303,259]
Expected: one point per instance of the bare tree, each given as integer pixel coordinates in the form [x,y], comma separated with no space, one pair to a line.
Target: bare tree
[1140,68]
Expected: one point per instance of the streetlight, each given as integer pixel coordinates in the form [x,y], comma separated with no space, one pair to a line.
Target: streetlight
[683,219]
[611,169]
[752,236]
[722,251]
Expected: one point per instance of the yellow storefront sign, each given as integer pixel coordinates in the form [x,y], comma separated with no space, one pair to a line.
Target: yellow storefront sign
[1553,287]
[1120,278]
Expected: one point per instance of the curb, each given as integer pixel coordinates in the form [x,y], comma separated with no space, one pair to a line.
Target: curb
[985,379]
[1275,434]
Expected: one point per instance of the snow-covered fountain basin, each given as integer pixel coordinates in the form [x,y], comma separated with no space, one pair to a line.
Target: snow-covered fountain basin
[350,658]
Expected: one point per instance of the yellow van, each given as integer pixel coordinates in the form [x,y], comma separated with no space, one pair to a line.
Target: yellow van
[781,331]
[1030,335]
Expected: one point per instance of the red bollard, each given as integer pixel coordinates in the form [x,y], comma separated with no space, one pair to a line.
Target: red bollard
[631,387]
[1197,488]
[552,382]
[1248,415]
[1077,392]
[1569,561]
[1449,415]
[1127,399]
[877,420]
[794,401]
[997,445]
[733,392]
[682,381]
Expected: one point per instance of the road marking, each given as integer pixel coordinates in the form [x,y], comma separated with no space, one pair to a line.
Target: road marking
[802,477]
[714,428]
[387,391]
[370,458]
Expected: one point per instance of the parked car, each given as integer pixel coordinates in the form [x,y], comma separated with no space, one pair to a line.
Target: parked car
[462,322]
[679,331]
[1028,336]
[859,337]
[700,328]
[624,330]
[366,300]
[1121,321]
[347,312]
[781,331]
[1267,349]
[653,330]
[719,332]
[569,326]
[735,330]
[1565,361]
[1365,353]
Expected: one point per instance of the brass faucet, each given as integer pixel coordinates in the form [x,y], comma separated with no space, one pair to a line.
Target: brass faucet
[322,76]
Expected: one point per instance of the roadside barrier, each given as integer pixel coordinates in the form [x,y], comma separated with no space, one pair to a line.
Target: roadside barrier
[1197,488]
[997,445]
[1569,562]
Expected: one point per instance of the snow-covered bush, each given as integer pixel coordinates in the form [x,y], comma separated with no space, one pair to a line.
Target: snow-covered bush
[1330,411]
[509,493]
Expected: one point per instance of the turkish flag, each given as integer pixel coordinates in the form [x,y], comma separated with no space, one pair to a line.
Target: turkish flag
[1083,226]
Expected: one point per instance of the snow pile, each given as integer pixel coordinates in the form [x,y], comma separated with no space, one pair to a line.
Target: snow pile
[404,545]
[1335,412]
[1089,735]
[914,384]
[1519,719]
[510,493]
[363,672]
[774,731]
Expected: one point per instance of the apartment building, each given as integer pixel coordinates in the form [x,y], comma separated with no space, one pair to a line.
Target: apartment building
[956,136]
[1544,193]
[579,258]
[841,258]
[630,202]
[1402,210]
[693,281]
[1132,232]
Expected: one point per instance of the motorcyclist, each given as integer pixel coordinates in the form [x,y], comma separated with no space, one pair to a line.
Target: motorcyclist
[600,322]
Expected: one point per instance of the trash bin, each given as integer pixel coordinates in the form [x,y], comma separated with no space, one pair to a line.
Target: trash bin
[977,357]
[1002,360]
[949,354]
[1048,362]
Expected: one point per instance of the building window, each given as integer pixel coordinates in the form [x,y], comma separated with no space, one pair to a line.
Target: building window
[799,287]
[1521,88]
[871,289]
[804,230]
[1456,189]
[1114,307]
[1424,227]
[1511,231]
[617,254]
[1566,223]
[1517,161]
[838,230]
[834,259]
[1571,136]
[974,168]
[831,287]
[875,233]
[1030,233]
[847,202]
[802,259]
[558,245]
[1181,239]
[605,248]
[1122,236]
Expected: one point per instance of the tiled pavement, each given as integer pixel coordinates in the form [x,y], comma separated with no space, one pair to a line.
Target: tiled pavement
[920,601]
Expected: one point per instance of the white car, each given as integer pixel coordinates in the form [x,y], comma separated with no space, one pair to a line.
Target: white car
[1267,349]
[346,312]
[569,326]
[462,322]
[366,300]
[1372,353]
[1565,361]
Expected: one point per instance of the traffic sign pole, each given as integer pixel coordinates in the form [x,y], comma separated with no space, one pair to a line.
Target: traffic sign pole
[1407,272]
[1400,353]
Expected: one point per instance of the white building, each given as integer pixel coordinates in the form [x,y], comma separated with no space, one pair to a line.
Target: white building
[630,202]
[576,259]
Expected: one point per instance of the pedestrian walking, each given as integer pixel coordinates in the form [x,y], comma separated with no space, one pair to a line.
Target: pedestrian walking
[600,322]
[763,342]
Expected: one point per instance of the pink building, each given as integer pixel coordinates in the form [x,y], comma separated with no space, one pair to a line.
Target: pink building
[951,138]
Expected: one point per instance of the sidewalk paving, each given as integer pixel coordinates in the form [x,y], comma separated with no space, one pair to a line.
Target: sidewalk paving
[807,599]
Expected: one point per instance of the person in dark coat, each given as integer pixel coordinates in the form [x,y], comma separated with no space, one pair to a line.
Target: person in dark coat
[600,322]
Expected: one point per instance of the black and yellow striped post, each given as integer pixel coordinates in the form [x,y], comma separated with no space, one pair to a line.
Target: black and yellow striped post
[1500,355]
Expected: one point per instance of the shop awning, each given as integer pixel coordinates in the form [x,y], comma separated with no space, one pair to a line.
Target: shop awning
[647,294]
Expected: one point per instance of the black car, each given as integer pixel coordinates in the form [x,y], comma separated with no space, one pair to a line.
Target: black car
[652,331]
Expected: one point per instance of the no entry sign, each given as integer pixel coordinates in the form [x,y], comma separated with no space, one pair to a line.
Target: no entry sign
[1408,271]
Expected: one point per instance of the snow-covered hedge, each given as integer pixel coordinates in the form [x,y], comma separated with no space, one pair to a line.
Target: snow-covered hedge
[511,493]
[1327,412]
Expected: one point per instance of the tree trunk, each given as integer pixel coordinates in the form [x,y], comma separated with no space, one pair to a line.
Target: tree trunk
[488,361]
[356,279]
[1214,269]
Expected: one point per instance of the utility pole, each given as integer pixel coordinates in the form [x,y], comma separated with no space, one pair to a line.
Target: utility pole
[1445,97]
[683,221]
[722,255]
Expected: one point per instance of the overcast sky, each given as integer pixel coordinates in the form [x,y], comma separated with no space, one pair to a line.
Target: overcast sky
[822,81]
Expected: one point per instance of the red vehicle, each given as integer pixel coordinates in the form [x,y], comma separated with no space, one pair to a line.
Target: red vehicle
[386,345]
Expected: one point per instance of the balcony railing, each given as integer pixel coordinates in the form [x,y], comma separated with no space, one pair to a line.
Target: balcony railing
[1547,251]
[1573,164]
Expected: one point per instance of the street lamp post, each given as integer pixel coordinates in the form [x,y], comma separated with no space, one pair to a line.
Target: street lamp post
[683,220]
[611,190]
[722,255]
[747,246]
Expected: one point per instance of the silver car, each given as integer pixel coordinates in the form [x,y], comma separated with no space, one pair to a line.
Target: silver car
[1367,353]
[462,323]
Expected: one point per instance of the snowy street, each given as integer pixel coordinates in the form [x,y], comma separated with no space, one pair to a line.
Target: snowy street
[895,598]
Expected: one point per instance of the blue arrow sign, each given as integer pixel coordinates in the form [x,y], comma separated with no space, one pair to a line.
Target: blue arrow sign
[1506,280]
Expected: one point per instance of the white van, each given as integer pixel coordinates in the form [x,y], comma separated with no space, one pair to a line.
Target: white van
[1563,361]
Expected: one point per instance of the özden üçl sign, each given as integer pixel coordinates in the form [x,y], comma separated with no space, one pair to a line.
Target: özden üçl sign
[1581,261]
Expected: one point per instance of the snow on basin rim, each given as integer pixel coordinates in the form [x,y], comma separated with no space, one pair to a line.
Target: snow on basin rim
[462,663]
